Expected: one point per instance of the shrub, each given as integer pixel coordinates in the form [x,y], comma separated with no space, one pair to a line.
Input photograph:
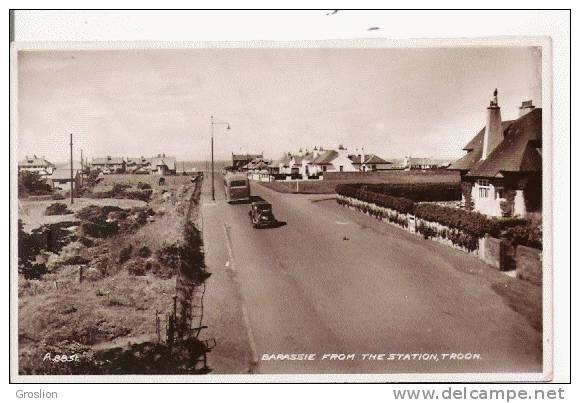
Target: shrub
[143,195]
[144,252]
[125,253]
[143,185]
[119,189]
[526,235]
[99,230]
[400,204]
[466,189]
[96,214]
[57,209]
[88,242]
[30,183]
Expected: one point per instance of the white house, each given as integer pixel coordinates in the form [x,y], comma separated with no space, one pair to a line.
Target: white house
[501,174]
[108,163]
[34,164]
[332,161]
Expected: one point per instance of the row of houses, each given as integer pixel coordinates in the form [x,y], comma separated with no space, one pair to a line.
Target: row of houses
[160,165]
[320,160]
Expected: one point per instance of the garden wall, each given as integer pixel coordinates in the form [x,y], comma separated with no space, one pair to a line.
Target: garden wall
[491,250]
[529,264]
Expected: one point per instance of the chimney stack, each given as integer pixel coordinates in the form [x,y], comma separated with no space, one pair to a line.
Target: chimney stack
[527,106]
[493,129]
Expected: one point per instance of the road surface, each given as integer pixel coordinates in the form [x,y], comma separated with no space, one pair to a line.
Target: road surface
[334,281]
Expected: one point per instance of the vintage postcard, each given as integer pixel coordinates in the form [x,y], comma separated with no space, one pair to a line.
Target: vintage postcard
[363,211]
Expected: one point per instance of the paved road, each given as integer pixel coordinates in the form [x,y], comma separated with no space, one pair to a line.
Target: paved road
[329,282]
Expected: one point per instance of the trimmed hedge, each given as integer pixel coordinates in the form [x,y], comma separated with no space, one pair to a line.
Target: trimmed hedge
[475,225]
[400,204]
[418,192]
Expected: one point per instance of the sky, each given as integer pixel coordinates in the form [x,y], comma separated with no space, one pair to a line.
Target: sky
[420,102]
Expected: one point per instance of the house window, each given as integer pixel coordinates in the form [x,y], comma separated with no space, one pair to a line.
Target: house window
[341,168]
[483,188]
[499,193]
[324,168]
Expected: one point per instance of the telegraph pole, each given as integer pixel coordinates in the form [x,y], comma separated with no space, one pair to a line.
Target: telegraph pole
[213,123]
[82,168]
[72,200]
[212,184]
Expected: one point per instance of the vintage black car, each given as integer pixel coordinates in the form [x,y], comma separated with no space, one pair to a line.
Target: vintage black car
[261,214]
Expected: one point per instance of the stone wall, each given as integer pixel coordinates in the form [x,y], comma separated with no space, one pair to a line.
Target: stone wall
[529,264]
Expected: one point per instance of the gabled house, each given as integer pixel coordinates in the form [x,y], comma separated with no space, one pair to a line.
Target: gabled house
[34,164]
[369,162]
[108,164]
[162,165]
[501,174]
[332,161]
[134,163]
[285,164]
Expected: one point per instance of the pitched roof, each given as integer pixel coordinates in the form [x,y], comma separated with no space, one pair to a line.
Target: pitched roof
[285,159]
[137,160]
[369,159]
[107,161]
[63,174]
[325,158]
[516,153]
[298,159]
[518,150]
[169,162]
[474,150]
[35,161]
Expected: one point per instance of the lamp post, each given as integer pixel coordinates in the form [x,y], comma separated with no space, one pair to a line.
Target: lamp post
[213,123]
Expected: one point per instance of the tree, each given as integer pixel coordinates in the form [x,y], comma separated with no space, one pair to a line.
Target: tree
[30,183]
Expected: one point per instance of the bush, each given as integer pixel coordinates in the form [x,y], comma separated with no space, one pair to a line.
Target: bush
[125,253]
[96,214]
[119,188]
[30,183]
[526,235]
[400,204]
[100,230]
[143,185]
[57,209]
[143,195]
[144,252]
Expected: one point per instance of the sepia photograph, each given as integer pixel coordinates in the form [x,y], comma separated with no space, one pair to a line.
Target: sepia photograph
[338,207]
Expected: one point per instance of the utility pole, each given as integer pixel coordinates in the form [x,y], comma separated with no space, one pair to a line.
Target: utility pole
[213,123]
[72,200]
[212,184]
[82,168]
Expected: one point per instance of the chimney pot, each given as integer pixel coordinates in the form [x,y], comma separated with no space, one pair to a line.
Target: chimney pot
[527,106]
